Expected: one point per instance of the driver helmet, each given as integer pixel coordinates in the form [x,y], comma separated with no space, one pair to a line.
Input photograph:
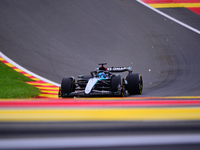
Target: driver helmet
[102,75]
[103,68]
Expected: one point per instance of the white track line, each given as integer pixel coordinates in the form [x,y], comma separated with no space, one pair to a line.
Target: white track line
[99,141]
[27,71]
[169,17]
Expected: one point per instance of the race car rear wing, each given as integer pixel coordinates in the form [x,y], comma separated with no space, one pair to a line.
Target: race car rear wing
[120,69]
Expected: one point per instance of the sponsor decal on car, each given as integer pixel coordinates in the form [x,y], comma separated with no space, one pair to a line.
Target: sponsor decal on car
[118,68]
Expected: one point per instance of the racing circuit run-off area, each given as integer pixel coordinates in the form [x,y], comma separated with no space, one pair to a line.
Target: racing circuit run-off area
[146,96]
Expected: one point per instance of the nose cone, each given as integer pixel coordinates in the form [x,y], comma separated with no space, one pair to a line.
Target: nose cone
[90,85]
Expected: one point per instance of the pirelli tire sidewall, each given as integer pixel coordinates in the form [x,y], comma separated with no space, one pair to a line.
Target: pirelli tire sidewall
[135,83]
[118,85]
[67,86]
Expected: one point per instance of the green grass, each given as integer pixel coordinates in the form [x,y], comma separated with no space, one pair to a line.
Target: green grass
[12,84]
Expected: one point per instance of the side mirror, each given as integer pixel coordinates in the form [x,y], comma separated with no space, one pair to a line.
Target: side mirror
[80,76]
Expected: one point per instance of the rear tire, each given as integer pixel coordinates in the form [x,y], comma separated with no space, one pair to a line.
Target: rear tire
[67,86]
[135,83]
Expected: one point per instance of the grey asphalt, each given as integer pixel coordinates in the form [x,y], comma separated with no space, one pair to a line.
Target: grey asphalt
[56,39]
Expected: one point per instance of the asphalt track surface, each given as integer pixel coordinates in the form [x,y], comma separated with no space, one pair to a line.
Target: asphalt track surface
[62,38]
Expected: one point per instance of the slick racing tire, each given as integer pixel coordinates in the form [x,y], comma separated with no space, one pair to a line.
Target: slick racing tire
[135,83]
[67,86]
[118,85]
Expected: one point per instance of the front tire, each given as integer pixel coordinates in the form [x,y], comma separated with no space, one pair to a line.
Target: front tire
[135,83]
[118,85]
[67,86]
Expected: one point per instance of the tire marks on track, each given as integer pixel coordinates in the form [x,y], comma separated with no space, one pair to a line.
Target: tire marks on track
[51,108]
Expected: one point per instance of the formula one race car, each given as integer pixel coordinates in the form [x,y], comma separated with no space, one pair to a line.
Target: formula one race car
[103,82]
